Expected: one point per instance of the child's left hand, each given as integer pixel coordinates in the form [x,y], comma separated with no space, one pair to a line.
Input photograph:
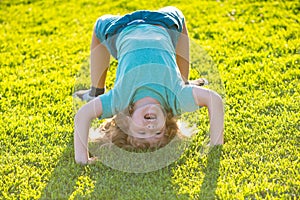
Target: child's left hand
[92,160]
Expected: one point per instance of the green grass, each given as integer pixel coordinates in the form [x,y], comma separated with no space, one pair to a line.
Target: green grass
[254,45]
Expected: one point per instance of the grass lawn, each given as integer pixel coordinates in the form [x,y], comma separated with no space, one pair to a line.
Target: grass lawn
[255,47]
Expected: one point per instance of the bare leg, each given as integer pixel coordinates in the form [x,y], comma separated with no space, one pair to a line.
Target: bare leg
[183,54]
[100,59]
[183,59]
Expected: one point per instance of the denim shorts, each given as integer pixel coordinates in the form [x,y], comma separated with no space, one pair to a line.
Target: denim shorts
[108,27]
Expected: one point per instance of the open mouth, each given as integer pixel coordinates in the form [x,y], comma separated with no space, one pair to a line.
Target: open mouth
[150,117]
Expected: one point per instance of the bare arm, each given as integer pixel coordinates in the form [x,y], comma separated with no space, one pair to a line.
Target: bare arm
[82,123]
[214,103]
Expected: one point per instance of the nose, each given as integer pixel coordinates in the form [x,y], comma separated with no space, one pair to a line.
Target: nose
[150,123]
[150,126]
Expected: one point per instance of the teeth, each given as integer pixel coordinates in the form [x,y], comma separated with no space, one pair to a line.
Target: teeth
[150,116]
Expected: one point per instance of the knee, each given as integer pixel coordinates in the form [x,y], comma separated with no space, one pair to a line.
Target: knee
[101,25]
[103,21]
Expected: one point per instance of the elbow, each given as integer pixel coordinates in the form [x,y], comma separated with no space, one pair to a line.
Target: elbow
[82,116]
[216,95]
[213,101]
[207,98]
[216,100]
[77,118]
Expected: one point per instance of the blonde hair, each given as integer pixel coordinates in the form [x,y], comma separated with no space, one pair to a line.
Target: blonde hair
[114,134]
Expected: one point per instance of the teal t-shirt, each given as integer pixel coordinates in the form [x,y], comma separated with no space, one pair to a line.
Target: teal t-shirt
[147,68]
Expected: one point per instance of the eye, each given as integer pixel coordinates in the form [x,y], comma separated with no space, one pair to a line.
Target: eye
[158,133]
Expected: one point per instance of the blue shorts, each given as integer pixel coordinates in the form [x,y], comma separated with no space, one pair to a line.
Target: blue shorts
[108,27]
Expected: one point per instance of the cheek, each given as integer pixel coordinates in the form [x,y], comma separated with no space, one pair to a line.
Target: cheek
[136,118]
[161,123]
[134,125]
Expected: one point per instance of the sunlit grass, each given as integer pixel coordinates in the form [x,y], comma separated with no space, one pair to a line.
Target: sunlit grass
[255,47]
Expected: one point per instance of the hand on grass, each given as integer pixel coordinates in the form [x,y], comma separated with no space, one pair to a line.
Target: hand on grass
[92,160]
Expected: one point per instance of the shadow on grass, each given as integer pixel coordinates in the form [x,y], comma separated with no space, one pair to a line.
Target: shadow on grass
[63,179]
[73,181]
[209,184]
[196,174]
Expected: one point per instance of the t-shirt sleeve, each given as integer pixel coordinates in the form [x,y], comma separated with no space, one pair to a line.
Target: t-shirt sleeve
[106,100]
[186,100]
